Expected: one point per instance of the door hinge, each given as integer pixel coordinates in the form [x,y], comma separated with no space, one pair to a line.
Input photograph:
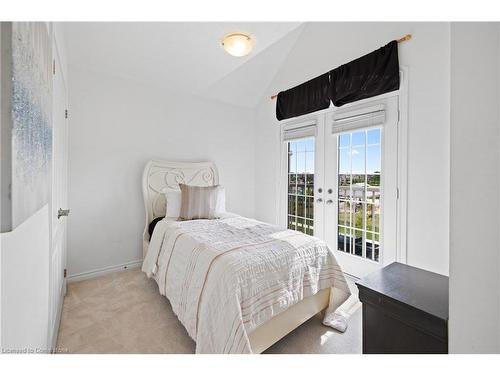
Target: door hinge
[54,66]
[397,193]
[65,273]
[65,113]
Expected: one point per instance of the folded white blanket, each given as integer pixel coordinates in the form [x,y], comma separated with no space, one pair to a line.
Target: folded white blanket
[226,277]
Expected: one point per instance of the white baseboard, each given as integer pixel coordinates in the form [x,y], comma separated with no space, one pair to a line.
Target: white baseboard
[103,271]
[351,277]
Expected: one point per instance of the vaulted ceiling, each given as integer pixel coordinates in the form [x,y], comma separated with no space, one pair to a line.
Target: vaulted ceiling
[184,56]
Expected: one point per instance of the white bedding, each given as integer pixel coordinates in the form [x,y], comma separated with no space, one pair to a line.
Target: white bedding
[226,277]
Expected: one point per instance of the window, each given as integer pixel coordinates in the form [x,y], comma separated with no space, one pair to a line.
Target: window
[359,175]
[300,215]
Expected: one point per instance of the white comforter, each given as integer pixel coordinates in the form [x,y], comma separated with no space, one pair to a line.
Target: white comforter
[226,277]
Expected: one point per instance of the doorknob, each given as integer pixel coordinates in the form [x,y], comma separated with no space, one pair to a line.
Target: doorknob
[319,200]
[329,201]
[62,212]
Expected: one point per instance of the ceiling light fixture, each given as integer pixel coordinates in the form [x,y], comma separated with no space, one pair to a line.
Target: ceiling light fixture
[238,44]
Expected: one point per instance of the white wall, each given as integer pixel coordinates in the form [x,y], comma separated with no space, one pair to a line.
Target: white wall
[474,325]
[25,284]
[323,46]
[116,126]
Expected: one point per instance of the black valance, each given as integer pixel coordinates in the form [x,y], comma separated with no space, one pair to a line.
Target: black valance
[370,75]
[305,98]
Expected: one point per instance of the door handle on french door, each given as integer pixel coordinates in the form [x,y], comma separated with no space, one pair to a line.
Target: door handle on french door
[62,212]
[329,201]
[319,200]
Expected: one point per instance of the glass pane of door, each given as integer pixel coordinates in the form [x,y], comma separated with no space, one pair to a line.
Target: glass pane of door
[300,213]
[358,203]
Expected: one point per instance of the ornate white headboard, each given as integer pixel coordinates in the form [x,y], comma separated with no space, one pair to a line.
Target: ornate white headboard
[161,175]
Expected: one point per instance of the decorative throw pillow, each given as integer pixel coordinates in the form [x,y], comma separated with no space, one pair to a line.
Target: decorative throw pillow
[199,202]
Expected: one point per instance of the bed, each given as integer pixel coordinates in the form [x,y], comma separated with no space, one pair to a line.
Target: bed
[236,284]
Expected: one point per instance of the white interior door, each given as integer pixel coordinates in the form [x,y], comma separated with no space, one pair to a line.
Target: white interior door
[59,192]
[339,181]
[361,185]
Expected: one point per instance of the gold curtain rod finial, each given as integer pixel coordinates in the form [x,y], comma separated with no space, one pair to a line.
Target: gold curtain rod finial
[405,38]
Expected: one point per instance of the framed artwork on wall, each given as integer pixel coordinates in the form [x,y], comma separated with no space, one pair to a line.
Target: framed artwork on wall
[26,120]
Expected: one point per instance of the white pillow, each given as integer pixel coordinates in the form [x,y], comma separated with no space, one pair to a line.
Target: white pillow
[173,199]
[220,207]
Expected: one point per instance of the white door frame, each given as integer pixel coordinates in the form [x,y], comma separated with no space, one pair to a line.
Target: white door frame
[59,196]
[402,160]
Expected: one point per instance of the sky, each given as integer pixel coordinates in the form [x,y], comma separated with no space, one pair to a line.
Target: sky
[351,149]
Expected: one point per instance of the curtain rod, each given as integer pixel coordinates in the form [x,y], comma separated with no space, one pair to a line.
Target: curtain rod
[400,40]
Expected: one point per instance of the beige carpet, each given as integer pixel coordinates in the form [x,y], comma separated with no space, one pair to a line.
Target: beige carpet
[124,313]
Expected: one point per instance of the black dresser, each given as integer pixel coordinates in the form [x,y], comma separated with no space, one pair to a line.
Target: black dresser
[405,310]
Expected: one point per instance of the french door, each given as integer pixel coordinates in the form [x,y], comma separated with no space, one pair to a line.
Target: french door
[340,168]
